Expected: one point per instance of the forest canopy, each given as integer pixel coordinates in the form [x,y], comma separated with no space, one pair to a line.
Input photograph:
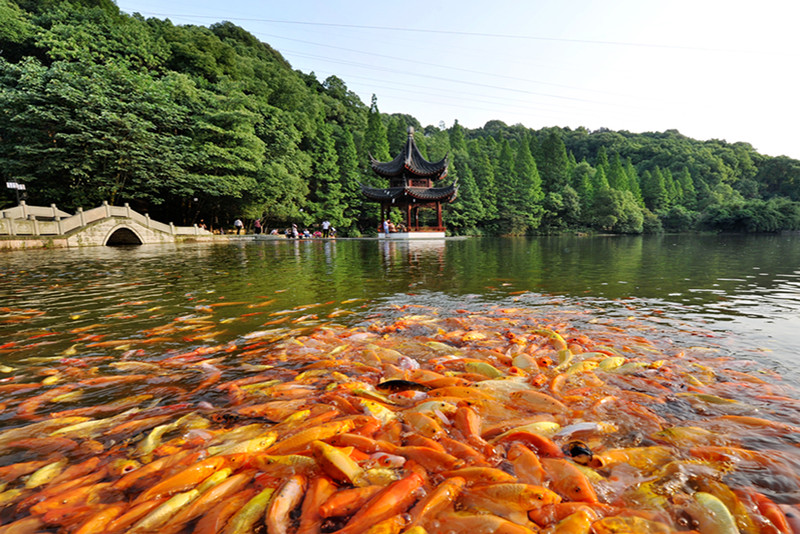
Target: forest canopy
[191,122]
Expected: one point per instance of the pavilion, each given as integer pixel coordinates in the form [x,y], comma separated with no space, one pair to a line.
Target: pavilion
[411,178]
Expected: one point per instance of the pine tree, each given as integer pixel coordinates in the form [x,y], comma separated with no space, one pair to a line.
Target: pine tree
[483,172]
[375,141]
[352,197]
[504,164]
[687,185]
[396,134]
[506,181]
[553,164]
[524,207]
[617,179]
[599,180]
[467,210]
[633,182]
[458,141]
[602,160]
[571,162]
[653,190]
[674,194]
[582,184]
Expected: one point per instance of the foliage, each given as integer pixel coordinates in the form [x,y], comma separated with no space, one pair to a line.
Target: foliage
[753,215]
[679,219]
[616,211]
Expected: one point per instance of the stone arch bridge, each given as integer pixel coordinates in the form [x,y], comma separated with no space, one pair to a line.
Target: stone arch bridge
[26,226]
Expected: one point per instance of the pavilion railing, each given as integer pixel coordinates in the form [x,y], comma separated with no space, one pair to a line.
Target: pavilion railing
[417,229]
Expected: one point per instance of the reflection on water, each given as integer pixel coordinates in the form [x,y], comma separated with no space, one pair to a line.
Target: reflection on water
[745,289]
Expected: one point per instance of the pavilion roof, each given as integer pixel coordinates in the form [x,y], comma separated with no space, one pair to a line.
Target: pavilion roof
[424,194]
[410,160]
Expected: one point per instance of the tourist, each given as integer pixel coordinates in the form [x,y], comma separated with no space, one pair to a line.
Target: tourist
[391,227]
[386,227]
[295,233]
[202,225]
[238,225]
[257,226]
[326,228]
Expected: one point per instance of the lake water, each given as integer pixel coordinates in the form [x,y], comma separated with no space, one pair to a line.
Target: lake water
[682,352]
[741,293]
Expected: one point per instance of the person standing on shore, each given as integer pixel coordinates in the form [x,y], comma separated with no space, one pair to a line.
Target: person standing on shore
[238,225]
[326,228]
[257,226]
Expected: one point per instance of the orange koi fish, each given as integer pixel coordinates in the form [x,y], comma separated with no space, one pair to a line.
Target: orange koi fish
[568,480]
[392,500]
[283,502]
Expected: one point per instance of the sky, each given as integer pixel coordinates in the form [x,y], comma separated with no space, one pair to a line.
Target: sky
[711,69]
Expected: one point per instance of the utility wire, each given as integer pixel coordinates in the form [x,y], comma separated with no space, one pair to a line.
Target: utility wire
[439,66]
[458,33]
[449,80]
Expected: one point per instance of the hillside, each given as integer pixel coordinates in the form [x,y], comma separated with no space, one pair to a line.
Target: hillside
[192,122]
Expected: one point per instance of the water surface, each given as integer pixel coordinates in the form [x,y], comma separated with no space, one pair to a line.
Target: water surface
[743,291]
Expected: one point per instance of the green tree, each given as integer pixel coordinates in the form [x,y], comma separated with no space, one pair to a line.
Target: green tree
[326,196]
[352,198]
[679,219]
[633,182]
[616,211]
[80,134]
[654,191]
[375,137]
[599,180]
[230,155]
[582,176]
[458,141]
[553,163]
[396,133]
[602,160]
[561,210]
[342,106]
[283,186]
[673,188]
[522,211]
[483,172]
[687,187]
[780,177]
[17,32]
[755,215]
[617,179]
[467,210]
[572,209]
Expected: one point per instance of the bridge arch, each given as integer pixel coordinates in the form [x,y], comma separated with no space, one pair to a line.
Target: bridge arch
[122,235]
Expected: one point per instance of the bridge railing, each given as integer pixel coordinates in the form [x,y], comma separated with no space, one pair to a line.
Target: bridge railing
[24,220]
[22,211]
